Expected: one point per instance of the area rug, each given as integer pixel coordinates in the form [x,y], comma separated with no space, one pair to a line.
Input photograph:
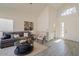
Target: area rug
[38,48]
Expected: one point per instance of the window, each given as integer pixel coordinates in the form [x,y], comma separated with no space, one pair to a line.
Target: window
[69,11]
[6,25]
[62,30]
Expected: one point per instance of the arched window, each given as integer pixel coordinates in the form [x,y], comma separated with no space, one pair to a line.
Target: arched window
[69,11]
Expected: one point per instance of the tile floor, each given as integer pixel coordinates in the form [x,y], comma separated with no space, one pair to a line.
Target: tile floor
[60,47]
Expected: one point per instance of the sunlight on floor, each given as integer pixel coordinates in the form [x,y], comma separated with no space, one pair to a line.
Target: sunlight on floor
[59,40]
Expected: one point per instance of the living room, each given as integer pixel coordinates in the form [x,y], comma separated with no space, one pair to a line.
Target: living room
[50,27]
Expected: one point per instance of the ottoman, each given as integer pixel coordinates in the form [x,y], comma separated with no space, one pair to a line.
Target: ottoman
[23,49]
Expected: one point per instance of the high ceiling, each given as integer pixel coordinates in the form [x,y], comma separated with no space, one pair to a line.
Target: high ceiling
[24,10]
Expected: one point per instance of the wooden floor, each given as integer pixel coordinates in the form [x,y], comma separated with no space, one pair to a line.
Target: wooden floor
[60,47]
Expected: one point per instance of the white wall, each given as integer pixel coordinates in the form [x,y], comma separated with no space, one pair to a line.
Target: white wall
[71,23]
[46,21]
[43,20]
[19,24]
[18,19]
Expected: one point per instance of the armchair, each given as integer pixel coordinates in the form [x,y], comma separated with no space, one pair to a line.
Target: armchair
[41,36]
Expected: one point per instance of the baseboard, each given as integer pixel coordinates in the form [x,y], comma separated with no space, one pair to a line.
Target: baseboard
[72,40]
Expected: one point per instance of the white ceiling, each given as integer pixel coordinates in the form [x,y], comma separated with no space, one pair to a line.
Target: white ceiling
[24,10]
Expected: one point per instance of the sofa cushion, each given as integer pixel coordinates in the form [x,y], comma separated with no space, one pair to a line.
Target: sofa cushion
[6,36]
[1,34]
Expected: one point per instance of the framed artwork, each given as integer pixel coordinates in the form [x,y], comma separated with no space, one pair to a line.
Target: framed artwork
[28,25]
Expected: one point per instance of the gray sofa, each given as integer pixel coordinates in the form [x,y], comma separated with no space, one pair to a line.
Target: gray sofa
[7,40]
[7,43]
